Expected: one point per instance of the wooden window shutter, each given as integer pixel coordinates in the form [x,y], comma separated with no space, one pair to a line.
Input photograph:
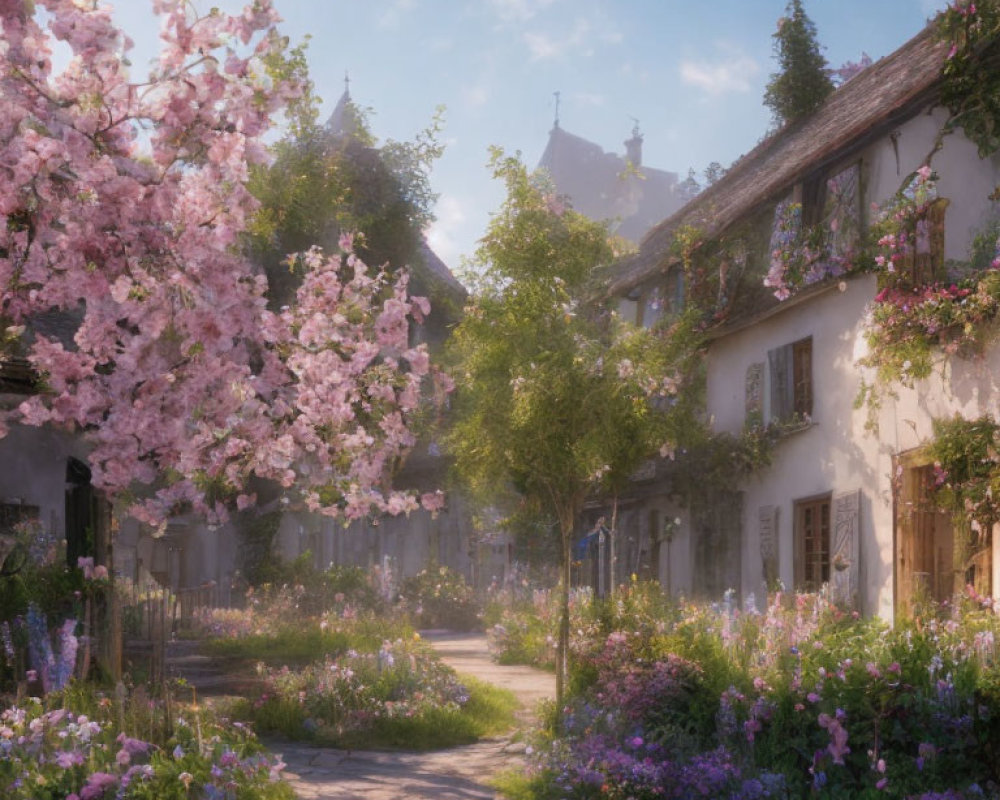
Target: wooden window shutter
[782,395]
[935,216]
[924,263]
[845,548]
[767,517]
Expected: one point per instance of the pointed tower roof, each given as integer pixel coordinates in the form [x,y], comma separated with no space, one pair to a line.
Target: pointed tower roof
[344,121]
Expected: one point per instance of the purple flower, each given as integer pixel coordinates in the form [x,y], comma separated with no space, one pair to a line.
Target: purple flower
[97,784]
[69,758]
[132,746]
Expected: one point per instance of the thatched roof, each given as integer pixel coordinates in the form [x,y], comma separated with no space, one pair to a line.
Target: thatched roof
[873,102]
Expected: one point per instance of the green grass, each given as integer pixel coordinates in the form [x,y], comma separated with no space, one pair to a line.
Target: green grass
[488,712]
[299,646]
[286,647]
[516,785]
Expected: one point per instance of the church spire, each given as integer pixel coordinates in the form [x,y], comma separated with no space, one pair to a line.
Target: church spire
[344,120]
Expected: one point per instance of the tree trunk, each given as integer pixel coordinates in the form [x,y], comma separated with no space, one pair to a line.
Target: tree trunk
[612,551]
[562,647]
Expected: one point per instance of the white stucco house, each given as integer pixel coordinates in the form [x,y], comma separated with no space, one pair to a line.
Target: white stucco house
[839,504]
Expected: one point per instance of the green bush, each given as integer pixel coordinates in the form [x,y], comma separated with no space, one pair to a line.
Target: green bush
[439,597]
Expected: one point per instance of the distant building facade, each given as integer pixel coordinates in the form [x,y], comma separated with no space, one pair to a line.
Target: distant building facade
[606,186]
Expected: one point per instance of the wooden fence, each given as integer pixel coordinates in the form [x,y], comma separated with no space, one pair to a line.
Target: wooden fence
[152,616]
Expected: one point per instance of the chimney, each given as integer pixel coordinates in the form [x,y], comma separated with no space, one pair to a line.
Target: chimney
[633,146]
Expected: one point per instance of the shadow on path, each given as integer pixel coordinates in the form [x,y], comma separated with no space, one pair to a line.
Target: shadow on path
[458,773]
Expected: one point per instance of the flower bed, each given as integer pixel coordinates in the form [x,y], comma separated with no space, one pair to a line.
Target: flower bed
[401,695]
[52,751]
[799,701]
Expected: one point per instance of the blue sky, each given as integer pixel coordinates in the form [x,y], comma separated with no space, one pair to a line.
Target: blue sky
[692,74]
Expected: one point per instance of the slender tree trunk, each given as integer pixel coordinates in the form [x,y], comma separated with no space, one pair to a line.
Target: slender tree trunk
[612,550]
[562,648]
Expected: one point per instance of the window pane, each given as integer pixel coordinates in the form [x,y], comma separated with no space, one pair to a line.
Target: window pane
[813,543]
[842,210]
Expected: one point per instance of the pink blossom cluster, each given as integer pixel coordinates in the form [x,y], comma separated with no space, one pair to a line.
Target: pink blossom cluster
[121,207]
[946,314]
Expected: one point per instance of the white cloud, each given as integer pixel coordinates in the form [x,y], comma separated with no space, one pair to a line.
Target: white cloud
[444,233]
[475,96]
[733,73]
[544,47]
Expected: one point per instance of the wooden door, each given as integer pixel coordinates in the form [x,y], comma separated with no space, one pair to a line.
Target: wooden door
[925,542]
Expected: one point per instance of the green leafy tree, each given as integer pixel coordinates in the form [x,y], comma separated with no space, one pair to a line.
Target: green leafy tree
[557,399]
[322,183]
[803,82]
[713,172]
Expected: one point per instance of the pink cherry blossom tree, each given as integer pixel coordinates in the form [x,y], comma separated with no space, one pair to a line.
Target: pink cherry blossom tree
[121,207]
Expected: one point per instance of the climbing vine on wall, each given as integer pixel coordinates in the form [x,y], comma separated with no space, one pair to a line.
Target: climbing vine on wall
[918,313]
[966,455]
[971,73]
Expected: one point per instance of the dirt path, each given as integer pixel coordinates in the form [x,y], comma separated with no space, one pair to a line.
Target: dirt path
[458,773]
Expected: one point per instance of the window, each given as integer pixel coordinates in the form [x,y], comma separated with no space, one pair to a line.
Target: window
[833,201]
[665,298]
[14,514]
[816,229]
[924,263]
[628,308]
[653,301]
[790,373]
[841,214]
[17,376]
[812,543]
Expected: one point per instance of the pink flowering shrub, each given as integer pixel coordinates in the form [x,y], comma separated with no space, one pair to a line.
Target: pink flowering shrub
[910,327]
